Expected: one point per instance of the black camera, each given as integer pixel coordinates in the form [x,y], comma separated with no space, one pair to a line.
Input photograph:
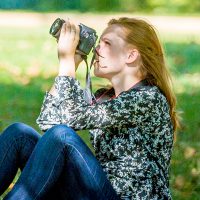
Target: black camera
[87,40]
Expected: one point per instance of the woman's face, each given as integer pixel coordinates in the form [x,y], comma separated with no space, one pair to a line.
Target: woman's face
[111,53]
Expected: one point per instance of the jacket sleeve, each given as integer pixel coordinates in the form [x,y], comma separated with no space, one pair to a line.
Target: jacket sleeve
[49,113]
[69,107]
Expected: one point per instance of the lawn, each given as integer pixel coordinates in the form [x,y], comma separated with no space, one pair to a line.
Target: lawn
[28,64]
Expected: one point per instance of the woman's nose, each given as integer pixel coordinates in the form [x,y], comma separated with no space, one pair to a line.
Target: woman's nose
[98,51]
[97,48]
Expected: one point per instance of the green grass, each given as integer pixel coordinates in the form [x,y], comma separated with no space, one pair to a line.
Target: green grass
[28,64]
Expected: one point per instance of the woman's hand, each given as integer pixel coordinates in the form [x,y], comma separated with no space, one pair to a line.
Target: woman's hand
[68,40]
[67,44]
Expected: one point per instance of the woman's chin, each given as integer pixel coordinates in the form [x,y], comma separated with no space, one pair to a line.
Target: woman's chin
[98,74]
[99,71]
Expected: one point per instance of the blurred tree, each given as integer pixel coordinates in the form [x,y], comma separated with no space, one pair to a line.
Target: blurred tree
[107,5]
[14,4]
[133,5]
[162,6]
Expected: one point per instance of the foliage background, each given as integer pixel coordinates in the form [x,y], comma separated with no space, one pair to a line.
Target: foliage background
[156,6]
[28,64]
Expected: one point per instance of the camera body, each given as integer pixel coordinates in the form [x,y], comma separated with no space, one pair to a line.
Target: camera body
[87,40]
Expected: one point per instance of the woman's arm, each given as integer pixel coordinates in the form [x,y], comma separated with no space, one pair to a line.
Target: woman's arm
[129,108]
[69,61]
[49,111]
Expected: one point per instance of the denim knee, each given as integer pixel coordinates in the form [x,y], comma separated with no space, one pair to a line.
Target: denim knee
[18,129]
[62,134]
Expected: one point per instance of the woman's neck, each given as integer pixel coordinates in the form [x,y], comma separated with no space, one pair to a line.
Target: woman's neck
[124,83]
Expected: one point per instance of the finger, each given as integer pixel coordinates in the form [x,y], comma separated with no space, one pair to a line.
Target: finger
[77,36]
[68,26]
[73,30]
[62,31]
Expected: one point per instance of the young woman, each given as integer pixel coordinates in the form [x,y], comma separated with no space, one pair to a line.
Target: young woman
[131,124]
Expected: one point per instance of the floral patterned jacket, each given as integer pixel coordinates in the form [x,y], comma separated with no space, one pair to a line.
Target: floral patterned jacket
[132,134]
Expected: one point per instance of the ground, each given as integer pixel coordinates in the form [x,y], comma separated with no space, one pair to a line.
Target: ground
[169,24]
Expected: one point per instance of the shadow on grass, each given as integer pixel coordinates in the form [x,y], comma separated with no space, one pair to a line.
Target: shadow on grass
[20,103]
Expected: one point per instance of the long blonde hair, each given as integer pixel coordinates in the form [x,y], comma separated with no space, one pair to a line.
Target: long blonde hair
[143,36]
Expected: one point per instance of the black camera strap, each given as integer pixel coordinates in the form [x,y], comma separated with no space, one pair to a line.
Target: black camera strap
[88,95]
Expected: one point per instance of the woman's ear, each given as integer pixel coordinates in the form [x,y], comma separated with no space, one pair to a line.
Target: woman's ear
[132,56]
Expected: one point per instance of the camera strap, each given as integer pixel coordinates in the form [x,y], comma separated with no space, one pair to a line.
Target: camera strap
[88,95]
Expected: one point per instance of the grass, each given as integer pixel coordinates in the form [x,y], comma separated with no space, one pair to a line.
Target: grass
[28,64]
[185,167]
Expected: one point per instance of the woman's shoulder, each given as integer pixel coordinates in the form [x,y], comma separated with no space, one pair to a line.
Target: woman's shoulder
[149,91]
[144,92]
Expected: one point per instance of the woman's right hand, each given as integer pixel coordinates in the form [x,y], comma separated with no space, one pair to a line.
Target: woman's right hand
[68,40]
[67,44]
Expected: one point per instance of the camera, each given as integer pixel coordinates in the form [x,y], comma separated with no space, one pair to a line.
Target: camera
[87,40]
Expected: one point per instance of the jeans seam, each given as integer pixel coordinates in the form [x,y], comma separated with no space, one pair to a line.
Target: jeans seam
[48,177]
[86,165]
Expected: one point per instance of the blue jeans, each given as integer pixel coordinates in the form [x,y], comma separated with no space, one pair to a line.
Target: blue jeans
[57,165]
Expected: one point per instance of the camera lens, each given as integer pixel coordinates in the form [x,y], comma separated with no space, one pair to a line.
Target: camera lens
[87,39]
[56,26]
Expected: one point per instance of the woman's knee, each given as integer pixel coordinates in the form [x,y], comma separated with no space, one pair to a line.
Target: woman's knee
[18,129]
[62,133]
